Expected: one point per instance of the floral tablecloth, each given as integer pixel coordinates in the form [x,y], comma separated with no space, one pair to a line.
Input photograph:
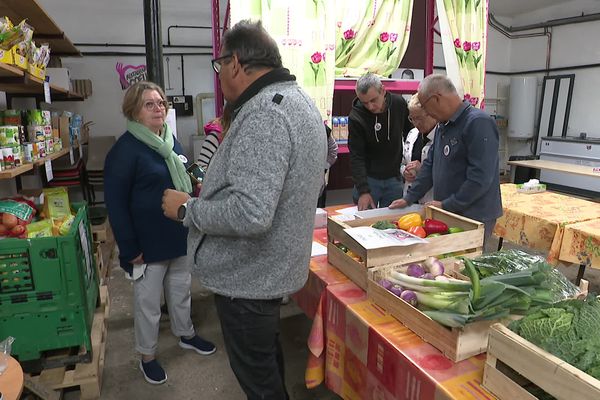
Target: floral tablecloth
[581,243]
[370,355]
[538,220]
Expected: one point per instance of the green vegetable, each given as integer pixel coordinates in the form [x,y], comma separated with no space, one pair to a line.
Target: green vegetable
[384,225]
[437,286]
[569,330]
[455,229]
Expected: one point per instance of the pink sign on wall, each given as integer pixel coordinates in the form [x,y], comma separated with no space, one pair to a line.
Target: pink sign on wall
[130,74]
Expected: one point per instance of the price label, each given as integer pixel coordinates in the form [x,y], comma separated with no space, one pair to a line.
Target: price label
[72,156]
[47,98]
[48,165]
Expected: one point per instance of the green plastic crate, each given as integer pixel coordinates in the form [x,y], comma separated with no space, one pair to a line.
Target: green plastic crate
[48,290]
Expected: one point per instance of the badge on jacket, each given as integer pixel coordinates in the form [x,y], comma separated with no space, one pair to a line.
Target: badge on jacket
[446,150]
[182,158]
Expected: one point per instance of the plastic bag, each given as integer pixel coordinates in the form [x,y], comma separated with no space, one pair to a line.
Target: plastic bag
[508,261]
[5,348]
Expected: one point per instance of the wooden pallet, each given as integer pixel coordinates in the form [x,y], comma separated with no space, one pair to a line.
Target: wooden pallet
[49,384]
[102,233]
[514,363]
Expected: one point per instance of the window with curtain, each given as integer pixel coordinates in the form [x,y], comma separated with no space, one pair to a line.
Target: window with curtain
[463,26]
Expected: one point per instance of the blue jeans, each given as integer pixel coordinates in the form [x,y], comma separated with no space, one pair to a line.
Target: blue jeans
[251,334]
[383,191]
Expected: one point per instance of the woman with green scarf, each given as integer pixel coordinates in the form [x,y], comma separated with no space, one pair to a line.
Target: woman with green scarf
[143,163]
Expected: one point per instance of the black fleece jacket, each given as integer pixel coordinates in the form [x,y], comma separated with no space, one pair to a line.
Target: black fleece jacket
[377,154]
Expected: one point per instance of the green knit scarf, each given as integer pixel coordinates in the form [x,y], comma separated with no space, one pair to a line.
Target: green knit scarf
[163,145]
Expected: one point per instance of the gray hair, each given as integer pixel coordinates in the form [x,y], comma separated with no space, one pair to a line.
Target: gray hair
[253,46]
[437,83]
[368,81]
[414,104]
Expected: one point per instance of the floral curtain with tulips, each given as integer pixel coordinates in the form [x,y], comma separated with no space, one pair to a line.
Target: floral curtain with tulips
[371,36]
[305,33]
[463,25]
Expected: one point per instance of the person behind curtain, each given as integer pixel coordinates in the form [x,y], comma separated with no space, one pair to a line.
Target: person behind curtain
[376,125]
[260,191]
[145,161]
[416,145]
[463,165]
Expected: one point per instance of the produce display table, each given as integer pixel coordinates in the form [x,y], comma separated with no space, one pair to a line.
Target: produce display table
[581,244]
[538,220]
[11,381]
[368,354]
[362,352]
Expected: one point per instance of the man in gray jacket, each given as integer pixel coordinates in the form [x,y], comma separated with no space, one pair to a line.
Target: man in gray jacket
[250,231]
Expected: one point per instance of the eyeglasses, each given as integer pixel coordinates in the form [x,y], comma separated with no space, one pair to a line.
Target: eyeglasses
[153,105]
[216,62]
[416,119]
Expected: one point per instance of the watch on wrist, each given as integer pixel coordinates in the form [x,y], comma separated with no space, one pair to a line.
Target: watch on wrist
[181,211]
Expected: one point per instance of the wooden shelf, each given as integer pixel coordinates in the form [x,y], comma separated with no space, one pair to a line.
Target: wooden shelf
[17,82]
[390,85]
[45,29]
[53,156]
[13,172]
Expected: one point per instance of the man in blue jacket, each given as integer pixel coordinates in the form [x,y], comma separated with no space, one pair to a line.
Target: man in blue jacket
[462,166]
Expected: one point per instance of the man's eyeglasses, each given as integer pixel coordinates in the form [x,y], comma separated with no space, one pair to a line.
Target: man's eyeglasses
[217,62]
[153,105]
[413,120]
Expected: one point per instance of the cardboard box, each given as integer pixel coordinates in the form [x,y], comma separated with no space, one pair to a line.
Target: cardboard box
[64,130]
[6,56]
[20,60]
[320,218]
[37,72]
[59,77]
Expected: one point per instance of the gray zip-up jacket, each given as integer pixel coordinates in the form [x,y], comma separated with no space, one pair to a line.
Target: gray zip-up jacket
[250,231]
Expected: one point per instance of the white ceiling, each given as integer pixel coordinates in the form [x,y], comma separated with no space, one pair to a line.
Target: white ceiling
[513,8]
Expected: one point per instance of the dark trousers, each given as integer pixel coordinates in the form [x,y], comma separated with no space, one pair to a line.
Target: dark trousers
[251,332]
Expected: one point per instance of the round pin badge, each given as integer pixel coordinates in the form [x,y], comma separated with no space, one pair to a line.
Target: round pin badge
[183,158]
[446,150]
[377,126]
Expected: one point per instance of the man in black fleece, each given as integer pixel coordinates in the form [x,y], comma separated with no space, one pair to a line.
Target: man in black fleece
[377,124]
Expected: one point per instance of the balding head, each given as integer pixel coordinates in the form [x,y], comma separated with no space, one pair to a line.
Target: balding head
[438,97]
[437,83]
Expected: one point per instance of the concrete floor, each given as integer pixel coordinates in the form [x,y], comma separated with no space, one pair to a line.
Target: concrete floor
[192,376]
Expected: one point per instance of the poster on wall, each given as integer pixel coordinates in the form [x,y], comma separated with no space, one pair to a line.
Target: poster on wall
[130,74]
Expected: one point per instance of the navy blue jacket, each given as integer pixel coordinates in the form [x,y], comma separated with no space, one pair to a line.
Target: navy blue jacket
[135,177]
[462,166]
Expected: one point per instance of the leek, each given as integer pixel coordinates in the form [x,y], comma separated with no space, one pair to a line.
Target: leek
[421,284]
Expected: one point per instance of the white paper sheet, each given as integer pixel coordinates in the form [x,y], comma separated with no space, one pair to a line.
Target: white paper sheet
[348,211]
[318,249]
[371,238]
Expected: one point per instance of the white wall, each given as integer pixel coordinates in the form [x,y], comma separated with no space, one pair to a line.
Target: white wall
[87,21]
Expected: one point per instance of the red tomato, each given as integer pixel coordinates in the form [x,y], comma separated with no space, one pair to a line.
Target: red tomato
[418,231]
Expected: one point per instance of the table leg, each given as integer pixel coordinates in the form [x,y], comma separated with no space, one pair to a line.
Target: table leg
[580,274]
[500,240]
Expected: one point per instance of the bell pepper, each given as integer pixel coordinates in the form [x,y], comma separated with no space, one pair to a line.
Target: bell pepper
[435,226]
[407,221]
[418,231]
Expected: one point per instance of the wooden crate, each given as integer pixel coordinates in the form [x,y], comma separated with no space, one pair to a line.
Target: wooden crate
[48,385]
[513,362]
[457,344]
[102,232]
[469,241]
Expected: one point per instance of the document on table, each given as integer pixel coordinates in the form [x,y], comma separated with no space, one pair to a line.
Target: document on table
[318,249]
[371,238]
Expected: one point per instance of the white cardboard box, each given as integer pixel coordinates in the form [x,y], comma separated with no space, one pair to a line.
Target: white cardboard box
[320,218]
[59,77]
